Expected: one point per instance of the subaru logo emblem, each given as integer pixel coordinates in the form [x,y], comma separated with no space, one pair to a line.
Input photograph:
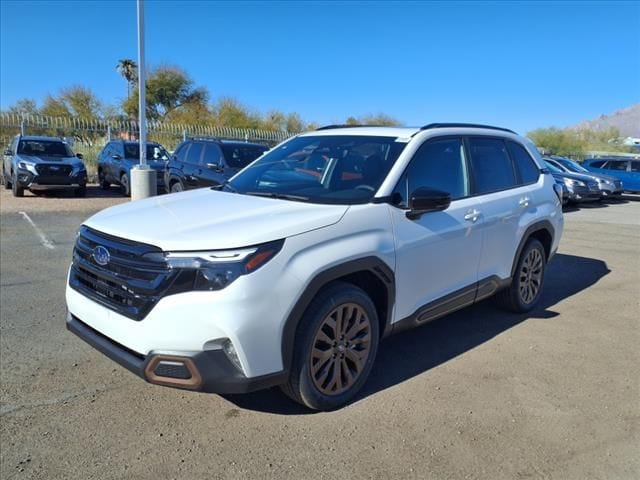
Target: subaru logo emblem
[54,168]
[101,255]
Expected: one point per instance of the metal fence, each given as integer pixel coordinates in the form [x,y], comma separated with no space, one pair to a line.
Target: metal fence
[88,136]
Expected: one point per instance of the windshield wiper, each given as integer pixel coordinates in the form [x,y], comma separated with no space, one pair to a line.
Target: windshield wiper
[224,185]
[282,196]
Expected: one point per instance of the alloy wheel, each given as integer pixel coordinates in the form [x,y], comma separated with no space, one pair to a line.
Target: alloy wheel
[340,349]
[531,276]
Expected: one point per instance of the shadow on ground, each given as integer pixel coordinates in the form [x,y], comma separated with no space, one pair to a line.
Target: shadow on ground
[414,352]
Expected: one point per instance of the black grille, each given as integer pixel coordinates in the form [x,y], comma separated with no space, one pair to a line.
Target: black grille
[54,170]
[593,186]
[131,282]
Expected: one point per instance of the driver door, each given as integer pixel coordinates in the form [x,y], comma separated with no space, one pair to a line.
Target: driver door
[438,253]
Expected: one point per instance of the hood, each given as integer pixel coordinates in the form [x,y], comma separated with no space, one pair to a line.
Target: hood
[47,159]
[575,176]
[206,219]
[601,176]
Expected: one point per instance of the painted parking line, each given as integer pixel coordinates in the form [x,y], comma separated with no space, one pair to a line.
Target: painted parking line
[44,240]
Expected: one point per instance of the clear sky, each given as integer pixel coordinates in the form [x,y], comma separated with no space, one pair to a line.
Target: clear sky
[518,64]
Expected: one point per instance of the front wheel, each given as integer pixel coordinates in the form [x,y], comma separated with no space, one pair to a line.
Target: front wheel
[104,184]
[124,185]
[335,347]
[177,187]
[526,286]
[16,189]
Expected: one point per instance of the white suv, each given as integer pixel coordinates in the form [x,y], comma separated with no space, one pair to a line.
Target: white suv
[291,272]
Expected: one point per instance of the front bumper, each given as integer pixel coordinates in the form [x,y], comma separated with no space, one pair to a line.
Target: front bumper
[577,194]
[206,371]
[27,179]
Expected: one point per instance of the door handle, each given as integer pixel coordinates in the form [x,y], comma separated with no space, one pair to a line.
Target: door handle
[472,215]
[524,202]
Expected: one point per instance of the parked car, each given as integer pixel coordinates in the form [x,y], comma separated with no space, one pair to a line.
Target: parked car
[609,186]
[203,162]
[580,188]
[627,170]
[290,275]
[40,164]
[565,190]
[118,157]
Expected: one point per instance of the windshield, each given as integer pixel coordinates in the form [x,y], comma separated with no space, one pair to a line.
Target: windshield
[343,169]
[48,148]
[154,152]
[239,156]
[552,167]
[573,166]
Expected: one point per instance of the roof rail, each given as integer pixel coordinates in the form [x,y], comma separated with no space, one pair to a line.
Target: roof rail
[202,137]
[331,127]
[464,125]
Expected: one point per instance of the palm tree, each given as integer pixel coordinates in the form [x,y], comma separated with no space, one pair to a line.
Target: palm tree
[129,71]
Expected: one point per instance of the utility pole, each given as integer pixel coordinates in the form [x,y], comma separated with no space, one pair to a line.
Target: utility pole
[143,178]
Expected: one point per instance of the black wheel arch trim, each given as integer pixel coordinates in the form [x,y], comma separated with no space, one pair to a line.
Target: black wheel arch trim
[544,225]
[370,264]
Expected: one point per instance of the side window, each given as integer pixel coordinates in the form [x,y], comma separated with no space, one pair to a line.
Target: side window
[620,165]
[106,152]
[635,166]
[527,168]
[181,152]
[491,165]
[194,153]
[597,164]
[439,165]
[211,154]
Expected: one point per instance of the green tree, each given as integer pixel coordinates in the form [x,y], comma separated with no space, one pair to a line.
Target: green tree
[76,101]
[128,69]
[169,88]
[373,119]
[229,112]
[24,106]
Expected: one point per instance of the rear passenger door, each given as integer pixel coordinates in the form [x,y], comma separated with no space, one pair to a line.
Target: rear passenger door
[192,167]
[211,172]
[502,202]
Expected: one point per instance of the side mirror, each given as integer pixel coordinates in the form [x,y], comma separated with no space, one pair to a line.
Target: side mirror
[116,157]
[80,156]
[8,152]
[424,200]
[214,166]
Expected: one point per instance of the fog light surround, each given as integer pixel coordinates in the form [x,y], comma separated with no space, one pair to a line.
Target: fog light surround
[160,365]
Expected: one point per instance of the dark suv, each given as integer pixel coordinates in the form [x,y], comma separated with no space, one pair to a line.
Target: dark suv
[42,163]
[119,156]
[202,162]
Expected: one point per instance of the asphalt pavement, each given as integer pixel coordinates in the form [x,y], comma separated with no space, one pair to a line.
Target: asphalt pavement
[478,394]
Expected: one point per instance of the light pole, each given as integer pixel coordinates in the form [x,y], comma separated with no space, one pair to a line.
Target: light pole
[143,178]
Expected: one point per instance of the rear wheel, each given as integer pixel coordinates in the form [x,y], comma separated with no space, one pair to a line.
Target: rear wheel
[335,348]
[5,180]
[16,189]
[526,286]
[124,185]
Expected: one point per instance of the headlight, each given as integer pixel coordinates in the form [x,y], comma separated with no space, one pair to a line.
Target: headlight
[216,270]
[30,166]
[569,182]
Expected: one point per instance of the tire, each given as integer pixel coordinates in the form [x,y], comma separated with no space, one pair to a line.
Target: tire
[5,180]
[176,187]
[104,185]
[124,185]
[16,190]
[526,286]
[315,384]
[81,191]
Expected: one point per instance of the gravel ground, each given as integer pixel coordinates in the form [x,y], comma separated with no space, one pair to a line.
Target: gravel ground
[478,394]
